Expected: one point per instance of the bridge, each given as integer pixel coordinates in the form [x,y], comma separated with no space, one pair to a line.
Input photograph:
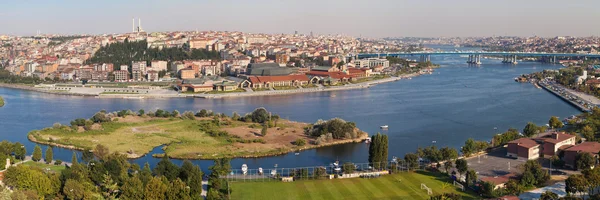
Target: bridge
[474,57]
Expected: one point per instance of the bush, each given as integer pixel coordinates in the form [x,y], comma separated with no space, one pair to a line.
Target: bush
[56,125]
[188,115]
[260,115]
[300,142]
[58,162]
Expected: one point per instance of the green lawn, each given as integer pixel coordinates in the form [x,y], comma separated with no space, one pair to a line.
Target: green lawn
[53,168]
[405,185]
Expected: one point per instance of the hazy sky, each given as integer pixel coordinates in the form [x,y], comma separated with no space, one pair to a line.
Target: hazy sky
[367,18]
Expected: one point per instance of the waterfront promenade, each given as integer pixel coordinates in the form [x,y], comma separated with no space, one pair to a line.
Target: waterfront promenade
[165,93]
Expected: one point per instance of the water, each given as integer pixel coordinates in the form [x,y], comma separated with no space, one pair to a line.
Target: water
[455,103]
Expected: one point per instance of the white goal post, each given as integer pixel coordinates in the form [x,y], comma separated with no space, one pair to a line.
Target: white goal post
[423,186]
[458,185]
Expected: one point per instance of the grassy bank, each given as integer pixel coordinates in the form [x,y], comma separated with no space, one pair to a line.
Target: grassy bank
[1,101]
[44,166]
[405,185]
[197,138]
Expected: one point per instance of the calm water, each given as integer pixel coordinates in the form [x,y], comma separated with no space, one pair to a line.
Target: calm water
[455,103]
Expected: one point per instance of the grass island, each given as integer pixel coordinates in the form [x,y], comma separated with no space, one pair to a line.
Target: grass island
[1,101]
[201,135]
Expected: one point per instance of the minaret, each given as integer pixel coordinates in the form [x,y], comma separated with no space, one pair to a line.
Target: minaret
[133,25]
[139,24]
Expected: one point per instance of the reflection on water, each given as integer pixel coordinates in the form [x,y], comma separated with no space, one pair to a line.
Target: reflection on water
[456,103]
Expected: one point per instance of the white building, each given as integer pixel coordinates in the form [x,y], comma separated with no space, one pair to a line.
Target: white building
[372,62]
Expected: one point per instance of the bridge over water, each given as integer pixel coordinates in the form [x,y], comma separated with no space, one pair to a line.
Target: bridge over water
[474,57]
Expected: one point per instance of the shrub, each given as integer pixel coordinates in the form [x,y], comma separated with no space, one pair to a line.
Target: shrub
[58,162]
[188,115]
[300,142]
[56,125]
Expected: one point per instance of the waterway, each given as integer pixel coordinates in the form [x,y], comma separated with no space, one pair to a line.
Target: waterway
[454,103]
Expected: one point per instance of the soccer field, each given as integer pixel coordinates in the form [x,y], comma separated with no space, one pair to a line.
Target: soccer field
[405,185]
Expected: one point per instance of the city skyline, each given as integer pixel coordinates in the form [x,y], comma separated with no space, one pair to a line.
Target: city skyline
[432,18]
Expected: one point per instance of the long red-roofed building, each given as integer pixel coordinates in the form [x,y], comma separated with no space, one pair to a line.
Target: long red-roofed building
[275,81]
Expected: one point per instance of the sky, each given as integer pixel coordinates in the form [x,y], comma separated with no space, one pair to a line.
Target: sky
[359,18]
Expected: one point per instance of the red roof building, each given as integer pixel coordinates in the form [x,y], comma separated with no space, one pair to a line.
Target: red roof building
[275,81]
[524,148]
[586,147]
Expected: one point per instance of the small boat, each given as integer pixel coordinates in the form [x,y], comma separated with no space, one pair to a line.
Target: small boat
[495,128]
[368,140]
[273,172]
[244,169]
[260,170]
[297,154]
[384,127]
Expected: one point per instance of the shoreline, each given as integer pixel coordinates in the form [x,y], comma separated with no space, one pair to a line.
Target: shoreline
[160,155]
[362,85]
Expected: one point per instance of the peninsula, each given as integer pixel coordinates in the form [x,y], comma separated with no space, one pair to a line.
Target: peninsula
[201,135]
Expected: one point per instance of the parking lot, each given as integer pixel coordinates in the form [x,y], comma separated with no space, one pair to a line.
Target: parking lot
[495,163]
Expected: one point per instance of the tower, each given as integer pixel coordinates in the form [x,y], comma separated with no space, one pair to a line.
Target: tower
[133,25]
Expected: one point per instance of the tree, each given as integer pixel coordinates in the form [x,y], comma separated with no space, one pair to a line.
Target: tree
[75,190]
[141,112]
[155,189]
[588,133]
[575,183]
[549,195]
[177,190]
[412,160]
[584,161]
[450,154]
[530,129]
[202,113]
[461,166]
[378,151]
[166,168]
[513,187]
[554,122]
[263,131]
[87,155]
[48,158]
[488,189]
[23,177]
[108,187]
[471,178]
[469,147]
[37,153]
[132,189]
[348,168]
[260,115]
[192,176]
[101,152]
[74,159]
[20,151]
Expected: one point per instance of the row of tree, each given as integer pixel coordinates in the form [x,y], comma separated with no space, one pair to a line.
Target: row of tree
[124,53]
[101,175]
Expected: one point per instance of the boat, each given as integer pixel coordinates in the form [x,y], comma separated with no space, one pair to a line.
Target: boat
[260,170]
[368,140]
[336,166]
[384,127]
[273,172]
[297,154]
[495,128]
[244,169]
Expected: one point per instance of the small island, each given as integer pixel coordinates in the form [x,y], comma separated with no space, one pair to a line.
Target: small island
[1,101]
[200,135]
